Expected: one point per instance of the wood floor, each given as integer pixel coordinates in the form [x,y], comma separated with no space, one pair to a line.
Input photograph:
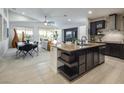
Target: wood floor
[42,70]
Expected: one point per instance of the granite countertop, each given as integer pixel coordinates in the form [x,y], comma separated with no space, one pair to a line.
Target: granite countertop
[112,42]
[73,47]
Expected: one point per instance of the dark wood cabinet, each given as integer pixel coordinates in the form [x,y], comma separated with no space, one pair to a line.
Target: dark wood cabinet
[107,49]
[115,50]
[89,61]
[82,58]
[100,24]
[122,51]
[93,30]
[94,26]
[96,56]
[82,61]
[101,54]
[82,69]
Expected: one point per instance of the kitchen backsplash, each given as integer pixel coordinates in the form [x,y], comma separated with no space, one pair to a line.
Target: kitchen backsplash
[113,36]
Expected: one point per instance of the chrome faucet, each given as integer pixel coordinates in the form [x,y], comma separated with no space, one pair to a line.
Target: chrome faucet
[83,40]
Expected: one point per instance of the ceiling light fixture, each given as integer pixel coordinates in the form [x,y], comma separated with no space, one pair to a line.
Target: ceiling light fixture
[90,12]
[69,19]
[45,23]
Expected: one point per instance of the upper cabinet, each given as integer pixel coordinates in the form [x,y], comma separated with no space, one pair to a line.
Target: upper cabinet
[100,24]
[94,26]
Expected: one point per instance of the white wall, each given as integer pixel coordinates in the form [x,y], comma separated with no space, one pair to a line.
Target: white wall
[3,47]
[82,31]
[113,36]
[4,42]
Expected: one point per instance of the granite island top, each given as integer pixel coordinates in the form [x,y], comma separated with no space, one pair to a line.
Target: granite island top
[73,47]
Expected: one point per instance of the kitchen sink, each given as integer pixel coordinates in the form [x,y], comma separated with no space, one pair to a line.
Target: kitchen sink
[88,44]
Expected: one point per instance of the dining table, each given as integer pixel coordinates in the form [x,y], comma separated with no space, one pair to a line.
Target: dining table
[27,48]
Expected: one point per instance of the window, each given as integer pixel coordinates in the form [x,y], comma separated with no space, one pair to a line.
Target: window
[28,32]
[46,33]
[50,34]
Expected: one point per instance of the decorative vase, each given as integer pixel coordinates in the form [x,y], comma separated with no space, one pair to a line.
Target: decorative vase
[15,39]
[28,41]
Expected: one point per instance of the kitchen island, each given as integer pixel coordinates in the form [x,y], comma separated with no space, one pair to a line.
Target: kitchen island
[75,60]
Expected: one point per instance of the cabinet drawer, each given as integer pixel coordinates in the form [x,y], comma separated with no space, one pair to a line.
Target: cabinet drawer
[68,58]
[81,69]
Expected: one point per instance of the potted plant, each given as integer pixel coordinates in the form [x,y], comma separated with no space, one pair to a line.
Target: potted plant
[55,36]
[28,38]
[75,40]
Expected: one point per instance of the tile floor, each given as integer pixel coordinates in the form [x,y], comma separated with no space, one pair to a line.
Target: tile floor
[42,70]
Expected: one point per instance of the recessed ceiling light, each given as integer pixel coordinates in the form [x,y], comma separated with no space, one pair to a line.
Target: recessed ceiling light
[45,23]
[23,13]
[90,12]
[69,19]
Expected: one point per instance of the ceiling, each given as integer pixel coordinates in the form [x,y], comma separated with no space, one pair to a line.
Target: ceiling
[78,16]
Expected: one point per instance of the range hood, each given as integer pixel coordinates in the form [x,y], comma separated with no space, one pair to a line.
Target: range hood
[113,22]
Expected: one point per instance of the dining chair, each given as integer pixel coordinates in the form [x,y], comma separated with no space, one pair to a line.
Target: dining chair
[27,49]
[35,47]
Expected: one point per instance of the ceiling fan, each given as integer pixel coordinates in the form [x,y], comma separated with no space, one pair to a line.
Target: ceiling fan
[48,23]
[51,23]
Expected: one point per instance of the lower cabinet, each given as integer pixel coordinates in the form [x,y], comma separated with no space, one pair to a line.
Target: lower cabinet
[122,52]
[107,50]
[89,59]
[82,58]
[82,61]
[115,50]
[96,57]
[82,68]
[101,54]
